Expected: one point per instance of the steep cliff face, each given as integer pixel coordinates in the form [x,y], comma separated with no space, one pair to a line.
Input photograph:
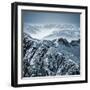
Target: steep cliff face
[50,58]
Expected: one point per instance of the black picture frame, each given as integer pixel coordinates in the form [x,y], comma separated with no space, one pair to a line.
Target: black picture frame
[14,43]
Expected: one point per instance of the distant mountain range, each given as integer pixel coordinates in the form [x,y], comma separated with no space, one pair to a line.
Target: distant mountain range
[69,34]
[50,57]
[53,31]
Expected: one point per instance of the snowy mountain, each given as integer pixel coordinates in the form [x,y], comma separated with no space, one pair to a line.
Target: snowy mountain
[50,57]
[53,31]
[69,34]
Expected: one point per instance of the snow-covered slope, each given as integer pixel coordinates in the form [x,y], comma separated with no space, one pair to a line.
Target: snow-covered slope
[50,58]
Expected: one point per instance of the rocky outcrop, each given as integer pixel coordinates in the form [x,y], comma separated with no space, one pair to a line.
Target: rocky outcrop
[46,58]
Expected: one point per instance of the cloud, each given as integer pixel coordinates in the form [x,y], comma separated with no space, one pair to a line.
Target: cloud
[41,31]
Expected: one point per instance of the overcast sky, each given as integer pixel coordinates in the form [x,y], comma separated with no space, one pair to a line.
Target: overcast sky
[34,17]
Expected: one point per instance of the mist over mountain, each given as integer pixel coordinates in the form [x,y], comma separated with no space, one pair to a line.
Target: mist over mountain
[53,31]
[50,57]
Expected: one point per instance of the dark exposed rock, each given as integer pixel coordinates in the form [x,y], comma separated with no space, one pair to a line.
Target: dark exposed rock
[75,42]
[63,41]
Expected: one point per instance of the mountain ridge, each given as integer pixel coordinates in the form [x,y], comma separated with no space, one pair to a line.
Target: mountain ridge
[49,58]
